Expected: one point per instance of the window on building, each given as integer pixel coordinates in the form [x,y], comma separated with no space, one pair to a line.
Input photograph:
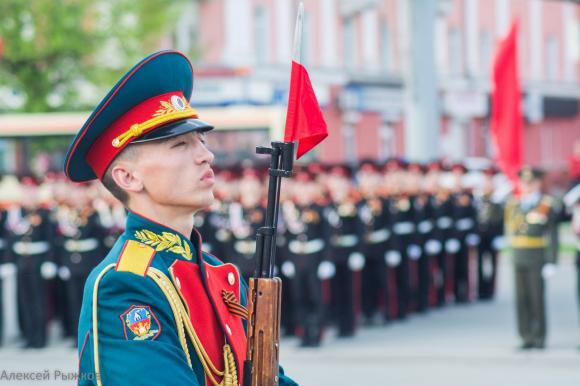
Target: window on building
[261,34]
[385,47]
[485,44]
[349,47]
[455,51]
[553,58]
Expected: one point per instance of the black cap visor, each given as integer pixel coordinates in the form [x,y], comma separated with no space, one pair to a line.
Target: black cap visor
[174,129]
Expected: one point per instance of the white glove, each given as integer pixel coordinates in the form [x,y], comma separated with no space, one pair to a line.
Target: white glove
[548,270]
[452,246]
[393,258]
[64,273]
[472,239]
[48,270]
[326,270]
[288,269]
[7,270]
[414,252]
[499,243]
[356,261]
[433,247]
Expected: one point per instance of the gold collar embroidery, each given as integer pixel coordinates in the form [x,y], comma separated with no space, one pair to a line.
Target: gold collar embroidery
[165,241]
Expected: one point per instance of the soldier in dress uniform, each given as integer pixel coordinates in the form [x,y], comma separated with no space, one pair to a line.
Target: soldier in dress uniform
[60,195]
[424,227]
[207,227]
[31,233]
[157,308]
[306,264]
[112,216]
[226,193]
[344,249]
[374,215]
[246,216]
[490,230]
[531,224]
[464,218]
[440,246]
[403,225]
[81,238]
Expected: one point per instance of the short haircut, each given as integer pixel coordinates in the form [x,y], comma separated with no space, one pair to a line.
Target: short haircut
[128,153]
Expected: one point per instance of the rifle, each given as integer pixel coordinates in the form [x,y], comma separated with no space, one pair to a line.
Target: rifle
[265,290]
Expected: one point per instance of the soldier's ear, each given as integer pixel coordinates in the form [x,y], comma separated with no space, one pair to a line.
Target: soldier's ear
[127,177]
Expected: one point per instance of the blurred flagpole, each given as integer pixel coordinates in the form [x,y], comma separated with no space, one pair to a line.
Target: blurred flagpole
[304,120]
[297,48]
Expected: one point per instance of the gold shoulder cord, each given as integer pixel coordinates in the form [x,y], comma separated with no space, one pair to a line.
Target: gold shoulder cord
[95,325]
[229,375]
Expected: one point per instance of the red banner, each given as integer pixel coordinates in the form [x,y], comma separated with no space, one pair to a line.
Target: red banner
[304,120]
[506,114]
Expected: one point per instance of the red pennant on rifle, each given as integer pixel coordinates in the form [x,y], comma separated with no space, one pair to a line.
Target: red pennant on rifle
[304,120]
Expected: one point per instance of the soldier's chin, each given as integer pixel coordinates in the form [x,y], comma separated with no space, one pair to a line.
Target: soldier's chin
[204,204]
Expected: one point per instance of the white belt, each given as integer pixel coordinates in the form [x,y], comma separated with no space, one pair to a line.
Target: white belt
[444,222]
[404,228]
[425,226]
[246,247]
[464,224]
[30,247]
[84,245]
[345,241]
[378,236]
[306,247]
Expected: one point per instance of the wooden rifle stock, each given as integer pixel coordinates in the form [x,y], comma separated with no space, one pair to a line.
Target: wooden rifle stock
[265,295]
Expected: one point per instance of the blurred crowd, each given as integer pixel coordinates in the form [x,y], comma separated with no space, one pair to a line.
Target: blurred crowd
[356,246]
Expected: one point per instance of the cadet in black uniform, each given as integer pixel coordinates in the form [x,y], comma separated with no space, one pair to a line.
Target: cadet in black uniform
[402,215]
[245,219]
[464,216]
[207,228]
[374,214]
[226,193]
[346,229]
[490,226]
[306,234]
[442,213]
[424,227]
[31,233]
[81,236]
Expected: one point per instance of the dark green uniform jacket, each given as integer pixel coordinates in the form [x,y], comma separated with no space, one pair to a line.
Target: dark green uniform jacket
[159,311]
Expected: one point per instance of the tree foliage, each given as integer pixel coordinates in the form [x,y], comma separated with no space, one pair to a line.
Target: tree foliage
[64,54]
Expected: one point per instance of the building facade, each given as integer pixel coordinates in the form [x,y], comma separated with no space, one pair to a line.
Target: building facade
[363,56]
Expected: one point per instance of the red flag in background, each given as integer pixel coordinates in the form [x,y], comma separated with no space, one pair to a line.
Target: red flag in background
[304,120]
[506,114]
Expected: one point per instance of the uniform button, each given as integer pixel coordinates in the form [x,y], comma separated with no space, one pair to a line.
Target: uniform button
[75,258]
[228,330]
[231,278]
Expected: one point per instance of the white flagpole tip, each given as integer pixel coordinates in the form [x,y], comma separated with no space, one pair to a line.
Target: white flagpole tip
[297,49]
